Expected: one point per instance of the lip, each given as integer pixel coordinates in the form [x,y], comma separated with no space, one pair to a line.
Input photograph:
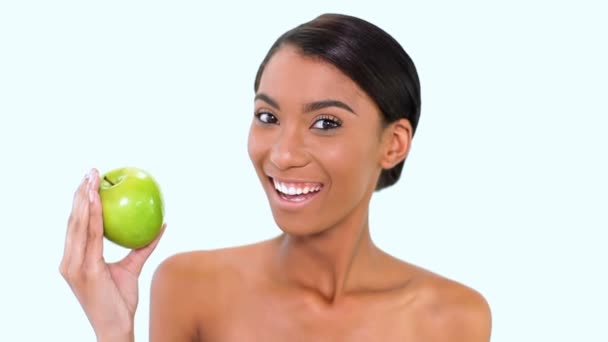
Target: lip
[285,203]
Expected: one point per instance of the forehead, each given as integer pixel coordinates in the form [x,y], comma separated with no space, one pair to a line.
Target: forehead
[291,76]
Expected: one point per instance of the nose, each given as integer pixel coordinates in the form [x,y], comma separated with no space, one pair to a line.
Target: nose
[288,150]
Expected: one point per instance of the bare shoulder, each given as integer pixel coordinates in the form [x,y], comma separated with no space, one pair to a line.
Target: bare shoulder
[188,288]
[188,266]
[450,311]
[205,268]
[176,295]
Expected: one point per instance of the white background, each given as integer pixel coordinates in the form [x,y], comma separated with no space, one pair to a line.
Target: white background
[505,189]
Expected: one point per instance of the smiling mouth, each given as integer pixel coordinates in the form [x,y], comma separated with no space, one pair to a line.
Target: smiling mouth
[295,191]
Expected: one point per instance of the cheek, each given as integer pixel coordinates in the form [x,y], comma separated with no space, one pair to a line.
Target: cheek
[255,145]
[255,149]
[251,148]
[351,161]
[259,145]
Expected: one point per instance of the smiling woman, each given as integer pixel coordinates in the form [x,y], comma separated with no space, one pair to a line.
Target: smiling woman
[337,102]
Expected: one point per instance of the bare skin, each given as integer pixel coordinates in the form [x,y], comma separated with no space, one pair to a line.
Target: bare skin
[323,278]
[239,294]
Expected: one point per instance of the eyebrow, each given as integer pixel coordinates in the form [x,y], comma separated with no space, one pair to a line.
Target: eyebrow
[309,107]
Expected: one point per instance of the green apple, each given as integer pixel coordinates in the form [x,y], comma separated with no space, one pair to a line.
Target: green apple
[132,207]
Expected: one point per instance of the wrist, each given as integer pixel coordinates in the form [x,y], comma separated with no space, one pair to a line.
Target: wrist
[116,336]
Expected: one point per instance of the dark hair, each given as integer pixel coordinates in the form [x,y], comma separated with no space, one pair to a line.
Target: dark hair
[370,57]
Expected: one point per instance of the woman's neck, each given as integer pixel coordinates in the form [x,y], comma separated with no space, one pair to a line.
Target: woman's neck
[331,263]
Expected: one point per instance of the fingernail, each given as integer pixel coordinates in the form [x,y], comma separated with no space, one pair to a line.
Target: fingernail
[91,196]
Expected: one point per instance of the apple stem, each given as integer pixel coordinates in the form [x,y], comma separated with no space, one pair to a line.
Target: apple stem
[107,180]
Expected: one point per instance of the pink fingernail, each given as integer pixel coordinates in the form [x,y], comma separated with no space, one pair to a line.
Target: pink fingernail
[91,196]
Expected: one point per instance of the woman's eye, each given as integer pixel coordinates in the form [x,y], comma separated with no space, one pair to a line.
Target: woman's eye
[266,118]
[326,124]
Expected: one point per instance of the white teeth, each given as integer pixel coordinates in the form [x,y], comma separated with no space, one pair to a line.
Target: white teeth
[293,190]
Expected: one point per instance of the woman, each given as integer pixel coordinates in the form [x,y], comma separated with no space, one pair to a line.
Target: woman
[337,102]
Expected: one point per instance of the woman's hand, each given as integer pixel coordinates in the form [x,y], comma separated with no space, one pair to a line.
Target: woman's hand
[108,293]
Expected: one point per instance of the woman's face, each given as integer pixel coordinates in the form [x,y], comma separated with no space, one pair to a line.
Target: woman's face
[315,142]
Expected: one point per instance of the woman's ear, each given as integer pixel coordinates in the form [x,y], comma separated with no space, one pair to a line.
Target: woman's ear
[397,139]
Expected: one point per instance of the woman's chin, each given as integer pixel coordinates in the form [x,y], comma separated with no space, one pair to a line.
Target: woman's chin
[298,228]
